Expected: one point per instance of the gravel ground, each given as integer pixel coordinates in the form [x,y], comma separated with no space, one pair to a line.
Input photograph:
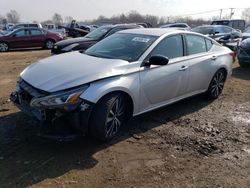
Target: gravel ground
[193,143]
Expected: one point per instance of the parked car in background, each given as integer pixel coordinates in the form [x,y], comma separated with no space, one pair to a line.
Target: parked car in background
[234,23]
[129,73]
[177,25]
[218,31]
[246,33]
[34,25]
[28,38]
[243,53]
[83,43]
[8,26]
[53,28]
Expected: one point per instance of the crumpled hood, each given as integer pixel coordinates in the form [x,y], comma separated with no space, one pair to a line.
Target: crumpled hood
[72,69]
[73,41]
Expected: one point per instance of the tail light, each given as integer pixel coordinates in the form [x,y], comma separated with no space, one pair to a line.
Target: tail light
[233,54]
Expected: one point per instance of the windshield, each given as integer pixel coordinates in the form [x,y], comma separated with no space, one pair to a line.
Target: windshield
[98,33]
[203,30]
[124,46]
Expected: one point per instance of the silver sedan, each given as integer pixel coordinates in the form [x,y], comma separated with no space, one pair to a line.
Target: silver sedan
[124,75]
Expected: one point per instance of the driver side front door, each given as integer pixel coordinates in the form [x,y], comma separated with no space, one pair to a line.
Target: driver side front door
[160,85]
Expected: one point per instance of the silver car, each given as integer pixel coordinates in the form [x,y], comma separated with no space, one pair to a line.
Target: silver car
[127,74]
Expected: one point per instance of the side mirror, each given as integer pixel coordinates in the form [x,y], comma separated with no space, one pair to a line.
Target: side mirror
[157,60]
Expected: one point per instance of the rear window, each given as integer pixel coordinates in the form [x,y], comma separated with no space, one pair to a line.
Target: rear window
[224,22]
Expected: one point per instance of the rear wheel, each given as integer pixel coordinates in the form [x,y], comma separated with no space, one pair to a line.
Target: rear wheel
[108,116]
[4,47]
[217,84]
[49,44]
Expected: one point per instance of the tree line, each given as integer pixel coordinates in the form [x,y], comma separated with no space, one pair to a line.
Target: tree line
[132,17]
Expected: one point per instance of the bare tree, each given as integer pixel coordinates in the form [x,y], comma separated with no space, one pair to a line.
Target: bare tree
[2,19]
[246,14]
[57,19]
[68,19]
[13,16]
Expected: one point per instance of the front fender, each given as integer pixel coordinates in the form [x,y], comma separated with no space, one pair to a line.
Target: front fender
[125,83]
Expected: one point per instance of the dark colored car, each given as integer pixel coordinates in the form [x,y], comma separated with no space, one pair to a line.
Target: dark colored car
[28,38]
[83,43]
[218,31]
[243,53]
[235,23]
[246,33]
[177,25]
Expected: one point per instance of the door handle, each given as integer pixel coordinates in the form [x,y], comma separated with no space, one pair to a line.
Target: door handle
[214,57]
[183,68]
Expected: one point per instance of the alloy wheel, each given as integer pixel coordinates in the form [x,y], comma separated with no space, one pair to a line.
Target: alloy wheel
[217,84]
[4,47]
[115,117]
[49,44]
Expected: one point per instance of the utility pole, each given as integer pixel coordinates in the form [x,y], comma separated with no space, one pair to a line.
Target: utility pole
[221,13]
[232,12]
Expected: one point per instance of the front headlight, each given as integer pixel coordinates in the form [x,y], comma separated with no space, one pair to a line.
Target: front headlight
[70,47]
[59,100]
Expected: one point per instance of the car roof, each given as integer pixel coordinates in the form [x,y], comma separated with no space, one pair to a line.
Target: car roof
[213,26]
[154,31]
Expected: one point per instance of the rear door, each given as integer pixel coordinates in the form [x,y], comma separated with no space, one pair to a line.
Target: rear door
[37,38]
[160,84]
[200,60]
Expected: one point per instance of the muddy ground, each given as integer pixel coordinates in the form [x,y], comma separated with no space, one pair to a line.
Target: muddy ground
[193,143]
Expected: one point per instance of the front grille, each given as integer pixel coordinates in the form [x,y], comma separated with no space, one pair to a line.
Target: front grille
[27,92]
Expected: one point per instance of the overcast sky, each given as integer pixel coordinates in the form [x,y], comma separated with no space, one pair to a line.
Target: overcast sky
[41,10]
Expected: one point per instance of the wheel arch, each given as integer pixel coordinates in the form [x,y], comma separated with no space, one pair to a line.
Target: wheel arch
[127,96]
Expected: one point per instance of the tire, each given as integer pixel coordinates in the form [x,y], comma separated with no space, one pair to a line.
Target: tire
[217,84]
[4,47]
[108,116]
[49,44]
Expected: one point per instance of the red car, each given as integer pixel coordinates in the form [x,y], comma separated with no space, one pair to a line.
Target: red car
[28,38]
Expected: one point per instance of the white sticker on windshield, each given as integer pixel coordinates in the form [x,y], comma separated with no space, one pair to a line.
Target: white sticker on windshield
[140,39]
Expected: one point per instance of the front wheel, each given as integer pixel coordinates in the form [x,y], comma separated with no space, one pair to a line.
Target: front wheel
[108,116]
[4,47]
[217,84]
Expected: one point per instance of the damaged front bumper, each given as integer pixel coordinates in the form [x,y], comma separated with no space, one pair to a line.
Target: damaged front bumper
[77,115]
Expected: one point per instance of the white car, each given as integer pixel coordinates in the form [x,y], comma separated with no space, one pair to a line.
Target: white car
[127,74]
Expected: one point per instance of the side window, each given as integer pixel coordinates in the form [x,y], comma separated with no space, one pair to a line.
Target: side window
[209,44]
[22,33]
[35,32]
[227,30]
[33,25]
[241,24]
[170,47]
[218,29]
[195,44]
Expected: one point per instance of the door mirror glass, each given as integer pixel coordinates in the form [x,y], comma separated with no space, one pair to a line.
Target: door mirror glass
[158,60]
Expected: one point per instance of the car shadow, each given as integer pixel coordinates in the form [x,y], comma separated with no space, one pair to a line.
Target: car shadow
[27,159]
[241,73]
